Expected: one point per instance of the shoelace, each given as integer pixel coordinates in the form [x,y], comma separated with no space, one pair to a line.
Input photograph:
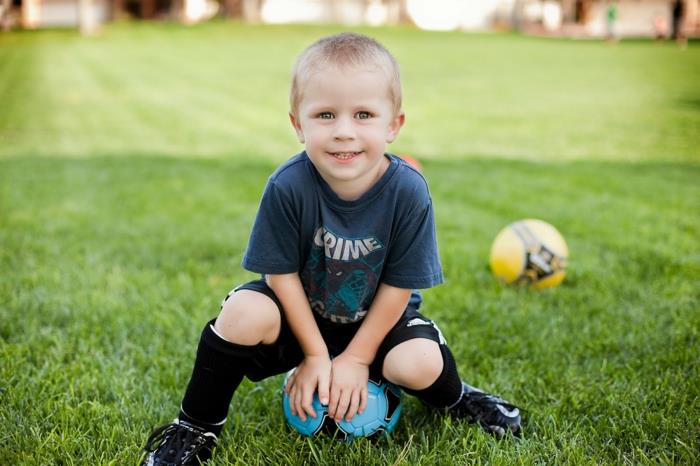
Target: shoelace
[180,440]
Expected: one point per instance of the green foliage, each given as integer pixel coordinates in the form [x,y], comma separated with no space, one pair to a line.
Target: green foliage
[112,256]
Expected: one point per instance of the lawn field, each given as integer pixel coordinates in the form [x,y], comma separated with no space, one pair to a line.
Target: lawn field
[131,165]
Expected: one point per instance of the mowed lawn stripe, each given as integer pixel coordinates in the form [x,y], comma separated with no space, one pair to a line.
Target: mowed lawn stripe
[114,253]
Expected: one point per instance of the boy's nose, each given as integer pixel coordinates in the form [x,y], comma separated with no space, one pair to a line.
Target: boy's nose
[343,129]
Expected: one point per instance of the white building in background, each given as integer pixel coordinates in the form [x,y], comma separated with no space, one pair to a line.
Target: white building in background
[636,18]
[456,14]
[584,18]
[426,14]
[62,13]
[348,12]
[89,14]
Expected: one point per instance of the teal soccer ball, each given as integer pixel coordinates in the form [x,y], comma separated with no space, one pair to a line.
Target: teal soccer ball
[379,417]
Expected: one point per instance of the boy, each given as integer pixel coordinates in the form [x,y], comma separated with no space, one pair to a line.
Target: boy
[344,237]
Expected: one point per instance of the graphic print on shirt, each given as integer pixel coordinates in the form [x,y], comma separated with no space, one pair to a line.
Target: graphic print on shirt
[341,275]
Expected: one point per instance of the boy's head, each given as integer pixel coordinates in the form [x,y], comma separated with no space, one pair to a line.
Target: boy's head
[345,108]
[345,50]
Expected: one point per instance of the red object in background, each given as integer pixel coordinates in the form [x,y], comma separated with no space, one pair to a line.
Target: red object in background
[412,162]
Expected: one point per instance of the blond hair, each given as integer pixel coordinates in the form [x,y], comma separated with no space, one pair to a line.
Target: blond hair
[344,49]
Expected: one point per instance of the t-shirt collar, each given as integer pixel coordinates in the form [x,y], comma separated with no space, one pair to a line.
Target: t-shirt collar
[366,198]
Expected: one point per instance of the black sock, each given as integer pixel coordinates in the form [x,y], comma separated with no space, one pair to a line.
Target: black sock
[218,370]
[446,391]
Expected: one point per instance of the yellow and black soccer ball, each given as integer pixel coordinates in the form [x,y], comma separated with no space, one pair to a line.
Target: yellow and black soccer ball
[530,252]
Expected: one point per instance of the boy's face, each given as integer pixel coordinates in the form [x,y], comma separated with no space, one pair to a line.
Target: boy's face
[346,118]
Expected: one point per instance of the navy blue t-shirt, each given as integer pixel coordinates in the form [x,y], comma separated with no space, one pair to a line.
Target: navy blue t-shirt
[341,249]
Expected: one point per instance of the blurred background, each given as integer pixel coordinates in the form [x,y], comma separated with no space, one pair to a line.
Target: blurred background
[571,18]
[137,135]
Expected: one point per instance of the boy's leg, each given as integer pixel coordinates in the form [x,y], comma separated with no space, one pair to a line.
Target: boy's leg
[249,338]
[415,356]
[227,349]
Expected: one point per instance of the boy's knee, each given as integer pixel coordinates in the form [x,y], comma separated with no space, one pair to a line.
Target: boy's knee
[249,318]
[413,364]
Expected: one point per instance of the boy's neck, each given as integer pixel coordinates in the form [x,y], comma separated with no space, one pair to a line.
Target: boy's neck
[354,189]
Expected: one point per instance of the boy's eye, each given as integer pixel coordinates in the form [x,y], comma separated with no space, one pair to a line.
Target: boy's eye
[363,115]
[325,115]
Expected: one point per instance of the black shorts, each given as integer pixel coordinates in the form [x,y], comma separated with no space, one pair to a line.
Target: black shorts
[285,353]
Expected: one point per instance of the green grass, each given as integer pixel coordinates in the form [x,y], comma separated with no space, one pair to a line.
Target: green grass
[130,169]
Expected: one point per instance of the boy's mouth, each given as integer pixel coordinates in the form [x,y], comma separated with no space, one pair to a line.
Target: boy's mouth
[345,155]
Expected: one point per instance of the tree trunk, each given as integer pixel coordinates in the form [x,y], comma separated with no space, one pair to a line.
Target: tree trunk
[117,9]
[148,9]
[233,8]
[5,15]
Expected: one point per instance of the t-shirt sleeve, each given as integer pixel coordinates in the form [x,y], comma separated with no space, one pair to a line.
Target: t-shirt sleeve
[273,246]
[414,260]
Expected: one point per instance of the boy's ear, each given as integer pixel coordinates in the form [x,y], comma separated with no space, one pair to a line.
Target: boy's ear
[297,127]
[395,126]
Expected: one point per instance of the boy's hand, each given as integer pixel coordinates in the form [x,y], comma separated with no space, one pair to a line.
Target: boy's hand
[313,372]
[348,387]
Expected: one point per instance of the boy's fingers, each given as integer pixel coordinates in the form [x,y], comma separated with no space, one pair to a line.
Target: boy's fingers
[363,400]
[297,404]
[306,401]
[333,401]
[323,388]
[343,403]
[294,403]
[354,404]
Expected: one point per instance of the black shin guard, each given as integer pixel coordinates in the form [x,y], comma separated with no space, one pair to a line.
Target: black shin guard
[446,391]
[218,370]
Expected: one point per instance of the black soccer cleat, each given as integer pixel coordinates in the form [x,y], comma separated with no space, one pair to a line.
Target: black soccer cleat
[178,444]
[493,414]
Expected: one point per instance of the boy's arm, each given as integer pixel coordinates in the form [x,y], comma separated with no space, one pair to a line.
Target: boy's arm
[314,371]
[386,309]
[351,367]
[291,294]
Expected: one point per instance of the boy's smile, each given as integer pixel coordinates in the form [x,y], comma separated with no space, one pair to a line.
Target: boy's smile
[345,118]
[345,156]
